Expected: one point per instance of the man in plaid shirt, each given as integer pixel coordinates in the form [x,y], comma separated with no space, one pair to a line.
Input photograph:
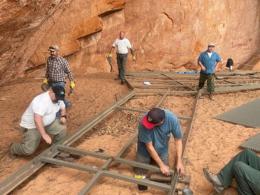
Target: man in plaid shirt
[57,70]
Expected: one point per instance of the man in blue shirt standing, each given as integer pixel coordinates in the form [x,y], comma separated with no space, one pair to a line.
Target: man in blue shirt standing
[154,132]
[208,62]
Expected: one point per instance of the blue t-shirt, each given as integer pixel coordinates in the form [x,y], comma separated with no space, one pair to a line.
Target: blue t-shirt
[209,62]
[159,135]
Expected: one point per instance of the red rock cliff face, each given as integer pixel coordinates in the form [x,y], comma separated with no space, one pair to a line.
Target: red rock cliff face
[166,34]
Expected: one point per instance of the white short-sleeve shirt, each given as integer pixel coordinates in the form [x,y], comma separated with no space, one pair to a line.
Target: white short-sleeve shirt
[122,45]
[43,106]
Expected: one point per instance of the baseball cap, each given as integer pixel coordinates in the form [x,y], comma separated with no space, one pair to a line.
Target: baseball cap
[59,92]
[54,48]
[211,45]
[154,117]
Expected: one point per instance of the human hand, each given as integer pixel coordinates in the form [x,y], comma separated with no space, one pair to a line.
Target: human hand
[45,86]
[165,170]
[180,168]
[45,81]
[70,92]
[217,69]
[72,85]
[47,138]
[203,68]
[63,120]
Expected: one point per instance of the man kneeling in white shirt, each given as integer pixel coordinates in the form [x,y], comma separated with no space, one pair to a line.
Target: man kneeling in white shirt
[40,121]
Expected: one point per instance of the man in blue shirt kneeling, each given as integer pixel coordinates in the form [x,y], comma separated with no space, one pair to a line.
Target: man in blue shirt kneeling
[154,132]
[208,62]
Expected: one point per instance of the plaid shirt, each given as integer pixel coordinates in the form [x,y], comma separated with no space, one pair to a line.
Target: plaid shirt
[57,69]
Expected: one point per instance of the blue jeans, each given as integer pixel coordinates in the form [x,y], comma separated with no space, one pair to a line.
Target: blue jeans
[61,84]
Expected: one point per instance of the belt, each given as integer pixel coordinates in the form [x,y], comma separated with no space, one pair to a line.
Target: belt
[208,74]
[57,81]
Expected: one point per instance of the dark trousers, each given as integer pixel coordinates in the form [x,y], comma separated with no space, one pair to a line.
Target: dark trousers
[148,160]
[210,81]
[121,62]
[245,169]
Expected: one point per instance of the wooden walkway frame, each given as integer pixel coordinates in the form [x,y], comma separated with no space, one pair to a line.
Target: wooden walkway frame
[48,156]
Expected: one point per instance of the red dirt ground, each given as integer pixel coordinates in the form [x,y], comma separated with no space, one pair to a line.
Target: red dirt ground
[212,142]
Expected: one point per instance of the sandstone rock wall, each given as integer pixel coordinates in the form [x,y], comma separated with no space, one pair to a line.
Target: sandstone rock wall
[22,25]
[166,34]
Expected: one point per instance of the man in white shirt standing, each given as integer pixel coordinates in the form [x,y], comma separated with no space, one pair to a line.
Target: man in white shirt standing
[40,121]
[122,46]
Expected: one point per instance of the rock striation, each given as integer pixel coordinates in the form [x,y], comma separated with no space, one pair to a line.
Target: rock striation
[166,34]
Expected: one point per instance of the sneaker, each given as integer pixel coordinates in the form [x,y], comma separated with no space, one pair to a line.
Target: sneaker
[117,78]
[214,180]
[142,187]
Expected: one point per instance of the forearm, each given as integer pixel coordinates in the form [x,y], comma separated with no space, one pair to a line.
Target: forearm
[179,149]
[47,73]
[217,65]
[39,124]
[154,155]
[63,112]
[70,77]
[200,64]
[112,49]
[132,51]
[68,72]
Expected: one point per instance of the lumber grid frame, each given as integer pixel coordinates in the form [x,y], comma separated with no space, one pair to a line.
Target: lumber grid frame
[48,156]
[30,168]
[185,84]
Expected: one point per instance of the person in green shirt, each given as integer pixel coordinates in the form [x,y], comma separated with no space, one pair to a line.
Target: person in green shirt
[244,168]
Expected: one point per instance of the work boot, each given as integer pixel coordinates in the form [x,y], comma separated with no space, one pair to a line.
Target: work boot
[141,187]
[211,96]
[214,180]
[117,78]
[199,88]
